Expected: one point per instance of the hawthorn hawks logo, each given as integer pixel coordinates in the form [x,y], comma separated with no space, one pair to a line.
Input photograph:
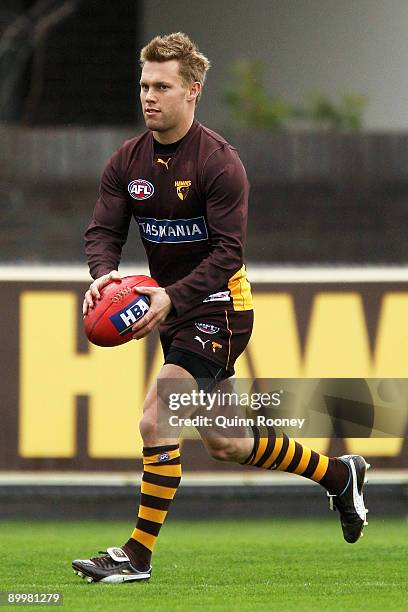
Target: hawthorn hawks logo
[140,189]
[182,188]
[216,346]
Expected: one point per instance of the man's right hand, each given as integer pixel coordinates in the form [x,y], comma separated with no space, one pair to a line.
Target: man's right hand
[94,288]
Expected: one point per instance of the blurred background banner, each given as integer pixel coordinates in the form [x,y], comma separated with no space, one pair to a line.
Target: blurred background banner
[68,405]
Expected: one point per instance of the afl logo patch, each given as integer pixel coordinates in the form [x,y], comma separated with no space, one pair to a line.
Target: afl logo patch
[140,189]
[163,457]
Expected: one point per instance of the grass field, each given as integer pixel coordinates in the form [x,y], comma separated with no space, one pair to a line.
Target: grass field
[218,565]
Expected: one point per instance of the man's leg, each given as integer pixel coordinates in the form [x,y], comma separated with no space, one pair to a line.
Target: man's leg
[342,477]
[278,452]
[162,468]
[284,454]
[161,477]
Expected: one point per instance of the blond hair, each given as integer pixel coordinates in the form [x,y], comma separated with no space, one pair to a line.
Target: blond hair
[193,65]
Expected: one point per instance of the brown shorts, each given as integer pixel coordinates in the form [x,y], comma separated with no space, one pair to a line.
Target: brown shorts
[218,337]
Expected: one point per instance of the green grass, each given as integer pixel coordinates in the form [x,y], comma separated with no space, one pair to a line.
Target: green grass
[217,565]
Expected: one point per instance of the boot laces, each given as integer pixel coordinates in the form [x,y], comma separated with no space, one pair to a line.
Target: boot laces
[106,561]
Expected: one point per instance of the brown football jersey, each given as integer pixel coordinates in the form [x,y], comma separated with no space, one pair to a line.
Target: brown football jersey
[191,209]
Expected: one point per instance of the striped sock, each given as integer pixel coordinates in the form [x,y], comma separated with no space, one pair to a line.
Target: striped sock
[287,455]
[161,477]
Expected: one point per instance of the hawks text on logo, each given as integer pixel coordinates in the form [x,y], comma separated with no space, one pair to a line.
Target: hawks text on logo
[182,189]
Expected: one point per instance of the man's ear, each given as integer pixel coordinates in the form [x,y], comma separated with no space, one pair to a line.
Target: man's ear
[194,91]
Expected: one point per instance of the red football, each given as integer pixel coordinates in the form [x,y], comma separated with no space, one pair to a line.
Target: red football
[110,322]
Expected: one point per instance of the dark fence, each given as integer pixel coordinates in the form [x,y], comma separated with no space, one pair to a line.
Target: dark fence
[65,154]
[318,197]
[36,501]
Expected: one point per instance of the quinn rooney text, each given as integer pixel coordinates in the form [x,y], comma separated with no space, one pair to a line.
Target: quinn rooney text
[225,422]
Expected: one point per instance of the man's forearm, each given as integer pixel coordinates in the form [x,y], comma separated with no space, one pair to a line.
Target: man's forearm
[103,251]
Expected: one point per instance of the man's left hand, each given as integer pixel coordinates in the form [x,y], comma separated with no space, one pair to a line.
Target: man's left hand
[160,306]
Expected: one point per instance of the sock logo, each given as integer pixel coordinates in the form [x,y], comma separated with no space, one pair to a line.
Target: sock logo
[163,457]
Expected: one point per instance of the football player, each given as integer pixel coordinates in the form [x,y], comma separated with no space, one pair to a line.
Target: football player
[186,188]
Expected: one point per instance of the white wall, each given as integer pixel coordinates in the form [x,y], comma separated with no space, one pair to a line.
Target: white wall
[331,45]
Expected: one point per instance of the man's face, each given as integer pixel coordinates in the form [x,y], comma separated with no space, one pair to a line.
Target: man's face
[166,101]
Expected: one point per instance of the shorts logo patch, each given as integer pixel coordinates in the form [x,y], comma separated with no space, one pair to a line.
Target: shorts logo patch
[140,189]
[207,328]
[163,457]
[182,189]
[220,296]
[215,346]
[172,231]
[124,319]
[202,342]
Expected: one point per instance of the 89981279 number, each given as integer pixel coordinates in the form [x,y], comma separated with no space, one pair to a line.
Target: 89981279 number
[20,598]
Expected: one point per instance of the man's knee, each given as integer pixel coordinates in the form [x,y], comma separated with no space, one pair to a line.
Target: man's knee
[223,449]
[148,426]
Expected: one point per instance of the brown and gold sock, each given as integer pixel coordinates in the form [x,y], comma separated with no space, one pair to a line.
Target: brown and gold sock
[161,477]
[278,452]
